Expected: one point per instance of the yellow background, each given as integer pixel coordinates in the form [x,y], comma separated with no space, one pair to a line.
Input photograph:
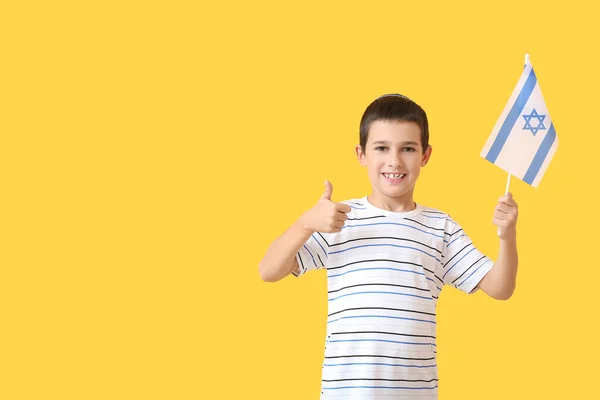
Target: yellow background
[151,151]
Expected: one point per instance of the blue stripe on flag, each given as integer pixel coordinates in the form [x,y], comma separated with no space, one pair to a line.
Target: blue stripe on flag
[512,117]
[540,156]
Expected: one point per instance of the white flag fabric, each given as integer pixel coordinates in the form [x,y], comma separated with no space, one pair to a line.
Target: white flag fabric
[523,141]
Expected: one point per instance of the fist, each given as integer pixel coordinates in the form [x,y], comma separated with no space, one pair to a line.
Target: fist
[327,215]
[505,217]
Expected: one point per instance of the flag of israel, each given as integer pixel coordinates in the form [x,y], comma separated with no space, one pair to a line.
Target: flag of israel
[523,141]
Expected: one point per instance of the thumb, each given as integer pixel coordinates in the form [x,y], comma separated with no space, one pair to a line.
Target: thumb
[328,191]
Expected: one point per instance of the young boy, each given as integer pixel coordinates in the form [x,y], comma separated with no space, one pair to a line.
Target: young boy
[387,259]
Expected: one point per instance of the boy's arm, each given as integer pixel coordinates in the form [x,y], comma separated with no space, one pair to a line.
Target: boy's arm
[501,281]
[280,259]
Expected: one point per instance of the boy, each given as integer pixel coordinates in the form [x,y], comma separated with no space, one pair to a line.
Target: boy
[387,259]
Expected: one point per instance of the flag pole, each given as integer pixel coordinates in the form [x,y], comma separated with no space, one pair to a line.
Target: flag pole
[505,193]
[508,179]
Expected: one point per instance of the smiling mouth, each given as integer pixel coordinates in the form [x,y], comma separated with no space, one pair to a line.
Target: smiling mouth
[393,178]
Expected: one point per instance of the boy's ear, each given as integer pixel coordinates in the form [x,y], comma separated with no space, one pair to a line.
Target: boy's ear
[360,154]
[426,156]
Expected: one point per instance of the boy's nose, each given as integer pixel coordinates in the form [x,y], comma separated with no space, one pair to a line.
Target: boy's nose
[395,162]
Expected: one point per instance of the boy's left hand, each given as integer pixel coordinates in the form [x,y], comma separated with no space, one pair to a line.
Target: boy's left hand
[505,217]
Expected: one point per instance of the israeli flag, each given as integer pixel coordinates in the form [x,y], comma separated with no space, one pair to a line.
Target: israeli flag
[523,141]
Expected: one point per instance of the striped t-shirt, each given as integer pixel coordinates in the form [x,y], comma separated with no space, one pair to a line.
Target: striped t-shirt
[385,271]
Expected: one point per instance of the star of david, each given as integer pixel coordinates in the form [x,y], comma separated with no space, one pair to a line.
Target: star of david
[534,115]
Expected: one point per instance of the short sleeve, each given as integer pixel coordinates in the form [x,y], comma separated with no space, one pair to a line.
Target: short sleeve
[463,265]
[313,254]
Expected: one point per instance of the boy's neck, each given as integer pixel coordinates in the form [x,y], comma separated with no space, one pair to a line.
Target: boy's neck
[397,204]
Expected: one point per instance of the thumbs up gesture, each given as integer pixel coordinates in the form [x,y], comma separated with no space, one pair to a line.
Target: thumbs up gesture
[327,215]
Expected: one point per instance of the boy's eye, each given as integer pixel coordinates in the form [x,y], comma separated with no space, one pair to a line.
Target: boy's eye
[381,148]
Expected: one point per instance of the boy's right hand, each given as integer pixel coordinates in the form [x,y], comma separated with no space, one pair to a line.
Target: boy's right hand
[326,216]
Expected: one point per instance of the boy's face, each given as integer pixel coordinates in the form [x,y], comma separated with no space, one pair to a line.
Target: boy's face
[393,147]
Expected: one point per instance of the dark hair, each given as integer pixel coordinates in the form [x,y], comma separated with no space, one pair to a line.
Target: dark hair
[394,107]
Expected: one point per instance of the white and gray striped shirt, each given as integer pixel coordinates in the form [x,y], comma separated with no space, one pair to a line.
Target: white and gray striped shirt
[385,271]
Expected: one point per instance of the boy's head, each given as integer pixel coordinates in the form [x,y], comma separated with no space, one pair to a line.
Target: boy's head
[394,145]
